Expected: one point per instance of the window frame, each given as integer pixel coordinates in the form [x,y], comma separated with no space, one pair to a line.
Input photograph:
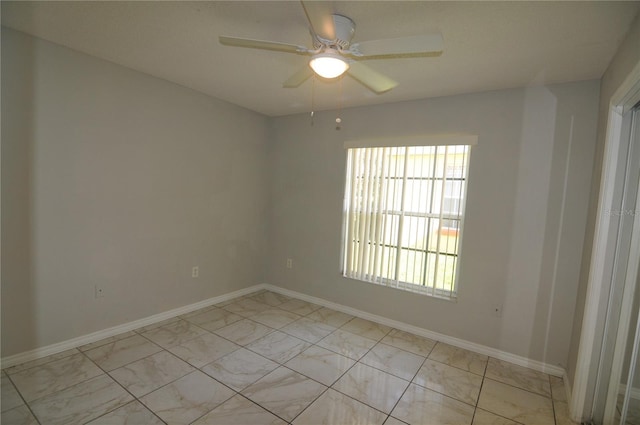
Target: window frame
[423,288]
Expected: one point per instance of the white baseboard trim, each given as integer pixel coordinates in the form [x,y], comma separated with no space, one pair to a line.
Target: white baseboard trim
[457,342]
[48,350]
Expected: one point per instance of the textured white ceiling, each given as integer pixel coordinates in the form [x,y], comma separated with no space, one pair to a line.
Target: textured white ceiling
[488,45]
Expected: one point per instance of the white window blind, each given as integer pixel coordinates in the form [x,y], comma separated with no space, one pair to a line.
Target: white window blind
[403,216]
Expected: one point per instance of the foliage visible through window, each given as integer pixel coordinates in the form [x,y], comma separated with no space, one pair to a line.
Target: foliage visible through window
[403,216]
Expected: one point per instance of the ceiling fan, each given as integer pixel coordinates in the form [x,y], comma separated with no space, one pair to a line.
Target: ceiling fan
[333,54]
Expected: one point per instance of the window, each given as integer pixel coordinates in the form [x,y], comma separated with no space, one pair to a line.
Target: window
[404,215]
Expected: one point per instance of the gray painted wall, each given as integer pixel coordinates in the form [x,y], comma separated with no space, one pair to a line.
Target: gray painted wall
[624,61]
[114,178]
[523,231]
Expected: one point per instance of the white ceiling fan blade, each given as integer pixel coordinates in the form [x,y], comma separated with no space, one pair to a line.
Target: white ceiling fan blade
[416,45]
[298,78]
[261,44]
[372,79]
[320,17]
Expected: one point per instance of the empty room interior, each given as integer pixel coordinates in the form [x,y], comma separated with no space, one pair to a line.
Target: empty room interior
[350,212]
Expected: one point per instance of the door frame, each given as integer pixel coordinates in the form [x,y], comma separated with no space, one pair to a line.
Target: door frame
[628,228]
[604,243]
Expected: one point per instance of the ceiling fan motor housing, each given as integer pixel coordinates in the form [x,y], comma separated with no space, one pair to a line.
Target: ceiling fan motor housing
[345,28]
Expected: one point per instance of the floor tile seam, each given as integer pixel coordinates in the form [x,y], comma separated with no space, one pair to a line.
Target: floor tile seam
[202,325]
[198,325]
[212,361]
[407,387]
[403,350]
[520,388]
[133,361]
[18,407]
[263,407]
[343,355]
[310,404]
[146,407]
[315,322]
[486,365]
[551,389]
[450,397]
[182,342]
[117,340]
[531,392]
[295,336]
[459,368]
[172,382]
[390,416]
[354,334]
[268,358]
[399,398]
[271,326]
[299,314]
[271,411]
[354,365]
[306,340]
[244,315]
[128,363]
[446,395]
[355,362]
[363,402]
[163,385]
[122,405]
[6,370]
[496,414]
[382,370]
[236,391]
[334,331]
[102,372]
[369,350]
[244,345]
[463,349]
[212,409]
[29,403]
[220,358]
[534,375]
[15,387]
[24,401]
[307,376]
[377,340]
[418,371]
[553,404]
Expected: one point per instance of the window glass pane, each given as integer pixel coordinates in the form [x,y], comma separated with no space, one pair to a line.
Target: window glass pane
[408,272]
[403,215]
[390,229]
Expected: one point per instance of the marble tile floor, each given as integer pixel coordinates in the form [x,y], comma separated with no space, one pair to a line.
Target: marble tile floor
[270,359]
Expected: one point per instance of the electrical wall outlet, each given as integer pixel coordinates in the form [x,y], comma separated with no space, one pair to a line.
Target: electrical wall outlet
[195,272]
[289,263]
[99,291]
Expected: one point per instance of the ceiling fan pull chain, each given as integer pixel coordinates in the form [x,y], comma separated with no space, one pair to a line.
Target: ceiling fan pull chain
[313,92]
[338,119]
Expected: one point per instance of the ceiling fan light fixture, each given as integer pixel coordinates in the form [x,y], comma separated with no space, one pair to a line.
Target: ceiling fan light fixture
[328,64]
